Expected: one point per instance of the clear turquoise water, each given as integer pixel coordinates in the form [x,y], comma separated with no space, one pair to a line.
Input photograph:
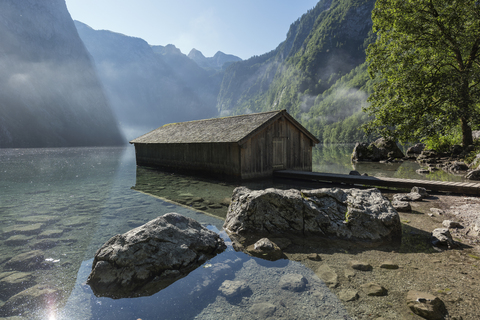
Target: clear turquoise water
[65,203]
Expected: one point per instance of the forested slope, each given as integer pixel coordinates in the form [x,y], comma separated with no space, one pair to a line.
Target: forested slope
[318,73]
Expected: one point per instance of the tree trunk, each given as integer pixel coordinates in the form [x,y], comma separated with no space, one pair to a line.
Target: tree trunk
[467,138]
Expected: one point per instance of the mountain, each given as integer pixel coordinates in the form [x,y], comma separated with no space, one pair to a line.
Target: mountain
[50,95]
[318,73]
[149,86]
[217,62]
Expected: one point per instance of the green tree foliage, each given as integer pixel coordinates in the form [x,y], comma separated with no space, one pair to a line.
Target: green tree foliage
[427,57]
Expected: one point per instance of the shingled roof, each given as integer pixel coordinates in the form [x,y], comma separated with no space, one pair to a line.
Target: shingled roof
[229,129]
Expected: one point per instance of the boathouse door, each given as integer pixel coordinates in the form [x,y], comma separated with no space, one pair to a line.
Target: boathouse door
[279,153]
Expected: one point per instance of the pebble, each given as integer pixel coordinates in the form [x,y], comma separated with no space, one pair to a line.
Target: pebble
[374,289]
[389,265]
[360,265]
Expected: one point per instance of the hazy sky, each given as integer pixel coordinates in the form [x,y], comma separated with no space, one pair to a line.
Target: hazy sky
[242,27]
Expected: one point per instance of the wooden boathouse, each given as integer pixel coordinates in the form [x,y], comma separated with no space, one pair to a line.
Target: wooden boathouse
[243,147]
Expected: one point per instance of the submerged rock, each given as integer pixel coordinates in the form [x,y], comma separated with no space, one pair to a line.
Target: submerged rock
[149,258]
[346,214]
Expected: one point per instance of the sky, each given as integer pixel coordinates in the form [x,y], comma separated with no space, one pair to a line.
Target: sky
[243,27]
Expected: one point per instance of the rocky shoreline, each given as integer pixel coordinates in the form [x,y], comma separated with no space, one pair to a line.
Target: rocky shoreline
[386,281]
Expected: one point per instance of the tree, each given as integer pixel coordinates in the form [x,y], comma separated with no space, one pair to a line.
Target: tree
[426,65]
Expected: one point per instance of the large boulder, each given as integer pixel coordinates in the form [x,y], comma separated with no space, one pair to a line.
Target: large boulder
[381,149]
[149,258]
[346,214]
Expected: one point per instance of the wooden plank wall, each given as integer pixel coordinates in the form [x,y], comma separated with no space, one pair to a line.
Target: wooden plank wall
[216,158]
[259,157]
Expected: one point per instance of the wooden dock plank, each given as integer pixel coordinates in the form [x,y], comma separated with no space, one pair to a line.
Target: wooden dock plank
[457,187]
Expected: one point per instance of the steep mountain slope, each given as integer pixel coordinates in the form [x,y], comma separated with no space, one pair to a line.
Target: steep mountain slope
[149,86]
[50,95]
[304,73]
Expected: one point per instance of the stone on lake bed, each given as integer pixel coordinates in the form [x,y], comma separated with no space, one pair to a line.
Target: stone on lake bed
[149,258]
[426,305]
[389,265]
[32,298]
[360,265]
[348,295]
[29,229]
[263,310]
[343,213]
[328,275]
[28,261]
[18,240]
[293,282]
[232,289]
[373,289]
[52,233]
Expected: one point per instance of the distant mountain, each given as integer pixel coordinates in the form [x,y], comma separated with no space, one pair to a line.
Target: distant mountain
[318,73]
[149,86]
[50,95]
[219,61]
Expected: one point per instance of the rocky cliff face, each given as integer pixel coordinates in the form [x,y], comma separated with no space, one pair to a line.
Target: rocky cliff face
[149,86]
[50,95]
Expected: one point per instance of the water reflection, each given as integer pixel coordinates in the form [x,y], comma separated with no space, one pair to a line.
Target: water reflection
[336,159]
[58,206]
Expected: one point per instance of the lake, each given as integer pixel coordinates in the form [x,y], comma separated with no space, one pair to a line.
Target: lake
[58,206]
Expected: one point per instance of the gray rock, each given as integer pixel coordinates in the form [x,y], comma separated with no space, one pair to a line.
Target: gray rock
[381,149]
[426,305]
[374,289]
[263,310]
[437,211]
[347,214]
[402,206]
[149,258]
[328,275]
[348,295]
[442,237]
[232,289]
[265,249]
[473,175]
[293,282]
[415,150]
[451,224]
[416,194]
[360,265]
[421,191]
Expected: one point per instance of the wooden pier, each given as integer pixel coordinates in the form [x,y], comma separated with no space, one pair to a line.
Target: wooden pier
[455,187]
